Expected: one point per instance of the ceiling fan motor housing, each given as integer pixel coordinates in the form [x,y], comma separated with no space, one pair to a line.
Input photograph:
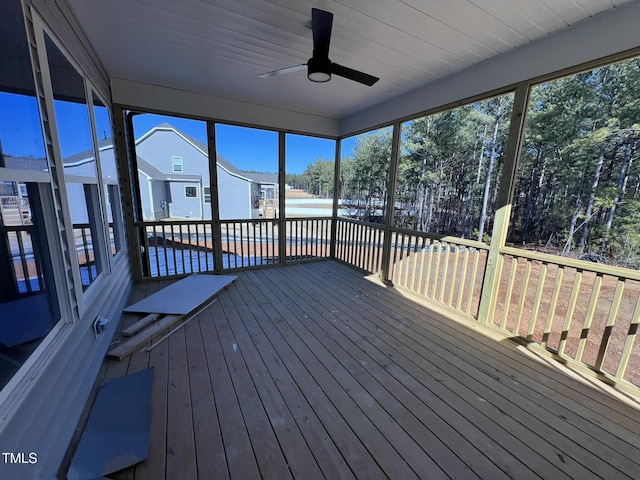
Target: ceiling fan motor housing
[319,69]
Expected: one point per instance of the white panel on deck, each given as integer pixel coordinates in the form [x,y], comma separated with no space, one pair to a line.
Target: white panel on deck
[183,296]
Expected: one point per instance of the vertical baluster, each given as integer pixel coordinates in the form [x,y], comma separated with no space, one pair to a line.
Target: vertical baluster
[611,321]
[523,297]
[629,342]
[588,320]
[571,307]
[353,228]
[427,280]
[414,266]
[400,262]
[454,274]
[436,274]
[185,268]
[445,270]
[381,241]
[262,259]
[207,232]
[552,306]
[472,283]
[309,247]
[421,272]
[315,224]
[507,298]
[269,228]
[193,248]
[229,244]
[536,302]
[359,245]
[463,279]
[254,253]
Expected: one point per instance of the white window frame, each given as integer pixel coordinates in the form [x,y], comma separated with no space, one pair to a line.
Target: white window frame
[176,160]
[195,190]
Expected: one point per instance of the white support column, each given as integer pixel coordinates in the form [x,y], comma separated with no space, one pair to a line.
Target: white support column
[493,271]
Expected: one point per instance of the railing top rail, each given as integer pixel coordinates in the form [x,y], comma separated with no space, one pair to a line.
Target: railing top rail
[361,222]
[582,265]
[442,238]
[308,218]
[171,222]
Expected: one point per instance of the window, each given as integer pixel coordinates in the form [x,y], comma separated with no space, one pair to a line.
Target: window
[207,194]
[76,145]
[109,171]
[176,162]
[191,192]
[28,301]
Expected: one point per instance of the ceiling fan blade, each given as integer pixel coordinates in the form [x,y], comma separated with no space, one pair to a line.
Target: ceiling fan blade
[321,24]
[282,71]
[354,75]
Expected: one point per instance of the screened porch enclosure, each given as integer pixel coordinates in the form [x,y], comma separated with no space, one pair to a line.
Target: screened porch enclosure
[404,228]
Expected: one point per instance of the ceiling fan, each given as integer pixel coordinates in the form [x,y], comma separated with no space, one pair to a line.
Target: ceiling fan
[319,67]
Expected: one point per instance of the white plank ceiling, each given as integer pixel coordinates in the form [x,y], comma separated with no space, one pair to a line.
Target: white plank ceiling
[219,47]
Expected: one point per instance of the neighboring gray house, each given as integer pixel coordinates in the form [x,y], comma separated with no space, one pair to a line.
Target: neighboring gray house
[173,176]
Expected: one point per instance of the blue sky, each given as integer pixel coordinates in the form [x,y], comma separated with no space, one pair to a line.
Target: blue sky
[247,148]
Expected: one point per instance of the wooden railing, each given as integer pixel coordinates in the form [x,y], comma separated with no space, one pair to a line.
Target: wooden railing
[175,248]
[446,270]
[183,247]
[580,310]
[308,238]
[360,244]
[249,243]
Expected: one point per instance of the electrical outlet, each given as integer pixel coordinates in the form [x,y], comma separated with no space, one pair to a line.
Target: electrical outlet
[100,325]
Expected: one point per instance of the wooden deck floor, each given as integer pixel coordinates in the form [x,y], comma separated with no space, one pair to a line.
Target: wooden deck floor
[315,371]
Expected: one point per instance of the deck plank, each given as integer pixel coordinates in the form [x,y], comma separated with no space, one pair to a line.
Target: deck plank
[271,461]
[181,460]
[294,447]
[551,430]
[346,453]
[316,371]
[425,404]
[356,403]
[241,461]
[158,358]
[551,427]
[210,457]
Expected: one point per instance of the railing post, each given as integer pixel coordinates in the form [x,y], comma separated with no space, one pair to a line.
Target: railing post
[282,224]
[336,198]
[493,271]
[216,227]
[391,199]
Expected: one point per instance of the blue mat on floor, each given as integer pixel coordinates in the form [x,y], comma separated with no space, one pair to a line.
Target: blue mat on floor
[117,432]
